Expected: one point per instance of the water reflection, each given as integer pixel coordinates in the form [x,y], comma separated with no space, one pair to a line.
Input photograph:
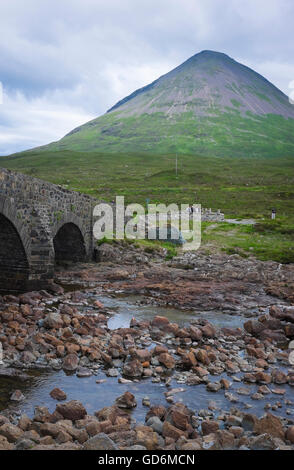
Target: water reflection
[128,307]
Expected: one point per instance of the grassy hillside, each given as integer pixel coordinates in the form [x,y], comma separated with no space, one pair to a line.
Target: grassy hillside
[223,134]
[244,187]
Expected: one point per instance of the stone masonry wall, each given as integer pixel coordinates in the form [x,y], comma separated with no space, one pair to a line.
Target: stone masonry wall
[38,209]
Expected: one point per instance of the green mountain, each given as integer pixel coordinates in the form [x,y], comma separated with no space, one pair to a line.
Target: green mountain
[207,108]
[209,105]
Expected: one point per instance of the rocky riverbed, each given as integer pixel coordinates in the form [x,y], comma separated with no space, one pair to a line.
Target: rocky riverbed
[139,352]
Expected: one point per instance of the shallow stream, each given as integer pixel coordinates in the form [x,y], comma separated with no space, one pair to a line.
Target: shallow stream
[95,396]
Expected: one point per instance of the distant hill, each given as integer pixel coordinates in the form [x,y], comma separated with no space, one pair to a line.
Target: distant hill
[209,105]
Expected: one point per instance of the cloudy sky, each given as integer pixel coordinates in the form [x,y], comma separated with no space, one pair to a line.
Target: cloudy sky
[64,62]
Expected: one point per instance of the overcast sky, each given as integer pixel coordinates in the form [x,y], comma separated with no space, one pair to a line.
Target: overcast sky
[64,62]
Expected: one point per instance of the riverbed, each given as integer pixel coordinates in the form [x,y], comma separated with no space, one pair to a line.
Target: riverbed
[94,396]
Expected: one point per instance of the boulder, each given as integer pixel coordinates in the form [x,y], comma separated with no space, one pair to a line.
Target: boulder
[27,357]
[202,356]
[254,327]
[49,429]
[155,423]
[195,333]
[24,422]
[58,394]
[159,348]
[209,427]
[93,428]
[53,320]
[4,444]
[249,421]
[168,430]
[157,410]
[208,331]
[167,360]
[63,437]
[225,439]
[263,378]
[72,410]
[11,432]
[277,336]
[213,386]
[193,445]
[84,372]
[290,434]
[271,425]
[279,377]
[133,368]
[71,362]
[146,437]
[188,360]
[127,400]
[100,442]
[142,355]
[42,414]
[112,372]
[179,416]
[262,442]
[159,322]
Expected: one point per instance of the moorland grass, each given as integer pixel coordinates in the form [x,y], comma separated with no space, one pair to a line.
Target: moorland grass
[241,187]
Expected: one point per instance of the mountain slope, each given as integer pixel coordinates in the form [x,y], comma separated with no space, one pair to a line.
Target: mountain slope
[205,83]
[210,105]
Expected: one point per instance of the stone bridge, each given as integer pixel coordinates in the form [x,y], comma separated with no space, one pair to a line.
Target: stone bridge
[40,224]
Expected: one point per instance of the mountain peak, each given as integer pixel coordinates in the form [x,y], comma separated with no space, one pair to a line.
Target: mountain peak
[210,98]
[207,80]
[207,54]
[211,53]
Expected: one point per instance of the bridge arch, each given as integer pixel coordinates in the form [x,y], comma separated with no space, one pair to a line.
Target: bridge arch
[14,251]
[69,242]
[38,213]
